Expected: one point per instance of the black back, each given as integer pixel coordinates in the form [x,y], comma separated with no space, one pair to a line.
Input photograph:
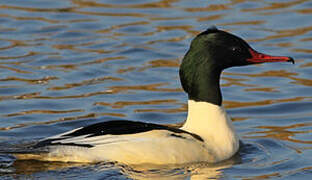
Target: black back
[119,127]
[123,128]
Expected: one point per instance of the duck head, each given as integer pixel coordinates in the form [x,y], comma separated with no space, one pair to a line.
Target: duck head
[209,54]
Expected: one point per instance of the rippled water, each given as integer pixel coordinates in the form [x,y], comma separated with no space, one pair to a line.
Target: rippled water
[66,64]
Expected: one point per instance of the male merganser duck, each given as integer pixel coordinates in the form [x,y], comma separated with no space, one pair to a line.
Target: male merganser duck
[207,135]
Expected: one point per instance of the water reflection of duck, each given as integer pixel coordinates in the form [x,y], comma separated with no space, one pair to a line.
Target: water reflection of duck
[207,135]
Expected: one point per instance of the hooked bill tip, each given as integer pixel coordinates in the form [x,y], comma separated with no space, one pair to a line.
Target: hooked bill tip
[291,60]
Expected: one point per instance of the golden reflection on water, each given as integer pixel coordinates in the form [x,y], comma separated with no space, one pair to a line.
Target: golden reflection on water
[14,69]
[177,39]
[266,89]
[213,7]
[86,82]
[305,11]
[111,90]
[243,23]
[110,14]
[31,166]
[146,171]
[282,132]
[67,67]
[30,18]
[148,87]
[74,48]
[302,50]
[122,104]
[30,9]
[157,63]
[31,53]
[44,80]
[237,104]
[86,116]
[276,5]
[285,33]
[194,171]
[158,4]
[211,18]
[182,108]
[108,30]
[306,65]
[271,73]
[37,111]
[235,82]
[302,81]
[14,43]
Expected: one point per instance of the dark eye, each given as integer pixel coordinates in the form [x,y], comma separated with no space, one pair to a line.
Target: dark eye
[236,49]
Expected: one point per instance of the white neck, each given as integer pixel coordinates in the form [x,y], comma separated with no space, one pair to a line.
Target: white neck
[212,123]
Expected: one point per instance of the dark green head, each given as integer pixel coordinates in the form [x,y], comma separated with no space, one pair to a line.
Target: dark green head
[210,53]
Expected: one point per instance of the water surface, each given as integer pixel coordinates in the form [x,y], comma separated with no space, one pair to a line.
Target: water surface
[66,64]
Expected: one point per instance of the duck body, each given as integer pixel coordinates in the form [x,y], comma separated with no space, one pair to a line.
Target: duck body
[132,142]
[206,136]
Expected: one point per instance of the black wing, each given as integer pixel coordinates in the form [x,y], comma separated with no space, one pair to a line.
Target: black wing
[123,128]
[114,128]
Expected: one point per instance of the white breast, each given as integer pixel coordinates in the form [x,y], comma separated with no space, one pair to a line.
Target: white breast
[212,123]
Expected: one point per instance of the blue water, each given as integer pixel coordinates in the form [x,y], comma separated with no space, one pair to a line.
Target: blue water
[66,64]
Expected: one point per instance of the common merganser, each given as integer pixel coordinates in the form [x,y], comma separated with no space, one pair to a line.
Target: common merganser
[207,135]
